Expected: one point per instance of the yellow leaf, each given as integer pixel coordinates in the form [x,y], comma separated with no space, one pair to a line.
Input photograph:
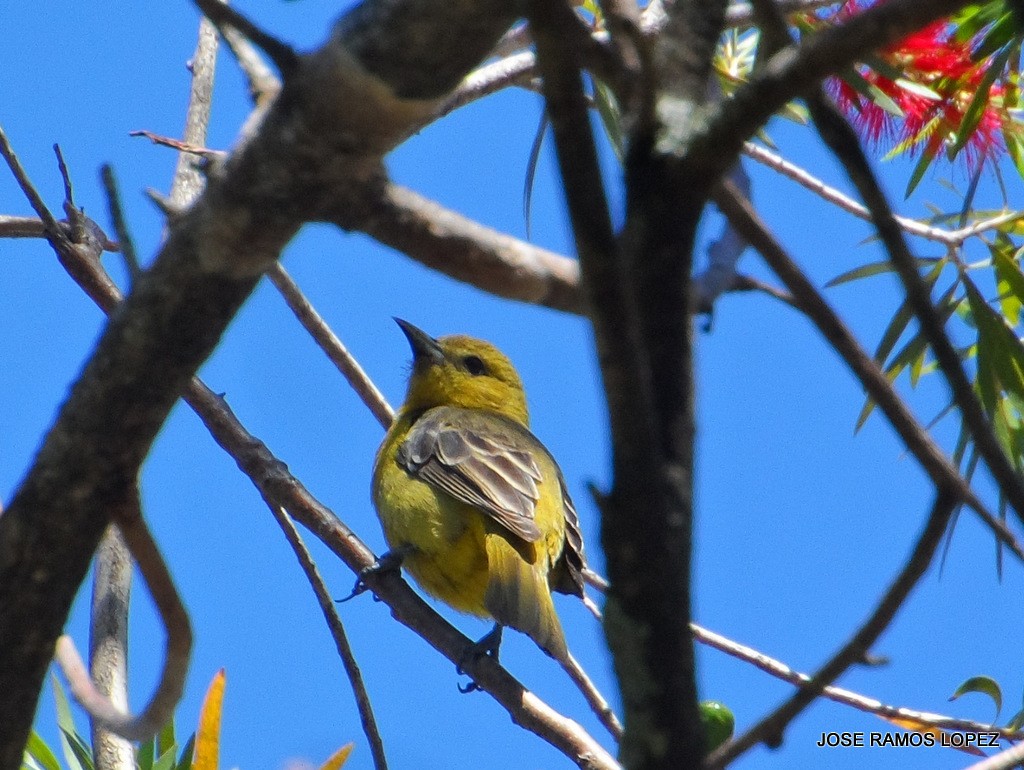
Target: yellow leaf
[942,737]
[208,735]
[338,758]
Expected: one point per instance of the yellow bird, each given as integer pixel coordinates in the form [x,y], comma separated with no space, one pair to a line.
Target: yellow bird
[470,500]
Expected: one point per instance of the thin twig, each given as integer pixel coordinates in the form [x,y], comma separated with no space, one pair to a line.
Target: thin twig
[120,223]
[836,132]
[597,702]
[1004,760]
[223,15]
[188,180]
[770,728]
[176,624]
[811,302]
[51,226]
[780,670]
[332,347]
[830,194]
[337,628]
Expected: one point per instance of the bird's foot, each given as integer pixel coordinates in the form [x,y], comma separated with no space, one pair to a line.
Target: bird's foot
[389,562]
[488,645]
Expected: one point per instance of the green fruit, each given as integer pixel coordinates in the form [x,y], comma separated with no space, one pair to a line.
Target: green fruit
[719,723]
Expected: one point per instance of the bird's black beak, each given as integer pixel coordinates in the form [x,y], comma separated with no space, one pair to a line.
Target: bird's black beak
[424,347]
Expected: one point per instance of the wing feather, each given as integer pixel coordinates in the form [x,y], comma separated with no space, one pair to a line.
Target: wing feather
[468,455]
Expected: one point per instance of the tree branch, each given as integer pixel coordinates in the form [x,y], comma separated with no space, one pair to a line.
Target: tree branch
[398,60]
[810,301]
[341,642]
[770,728]
[842,140]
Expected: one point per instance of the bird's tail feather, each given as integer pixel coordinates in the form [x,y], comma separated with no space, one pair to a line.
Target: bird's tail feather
[518,596]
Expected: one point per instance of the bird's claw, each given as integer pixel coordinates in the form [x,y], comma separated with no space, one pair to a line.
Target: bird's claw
[489,645]
[388,562]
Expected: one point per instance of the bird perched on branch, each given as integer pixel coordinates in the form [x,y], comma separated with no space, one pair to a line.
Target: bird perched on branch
[470,500]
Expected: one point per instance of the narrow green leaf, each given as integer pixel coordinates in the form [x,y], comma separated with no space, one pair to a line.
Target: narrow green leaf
[81,750]
[40,752]
[611,117]
[185,760]
[165,738]
[878,268]
[1006,351]
[1016,721]
[531,168]
[918,173]
[144,755]
[166,760]
[66,723]
[918,89]
[985,685]
[979,101]
[1010,279]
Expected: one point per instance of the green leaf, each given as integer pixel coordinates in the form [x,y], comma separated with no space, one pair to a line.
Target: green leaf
[985,685]
[531,168]
[41,753]
[878,268]
[979,101]
[166,760]
[185,760]
[1016,721]
[144,755]
[918,89]
[1005,350]
[611,117]
[81,750]
[1010,279]
[918,173]
[66,723]
[165,738]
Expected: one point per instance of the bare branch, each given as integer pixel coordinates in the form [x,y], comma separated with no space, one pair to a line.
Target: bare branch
[846,203]
[597,702]
[188,179]
[332,347]
[108,644]
[337,628]
[813,304]
[1004,760]
[842,140]
[179,638]
[780,670]
[771,728]
[463,249]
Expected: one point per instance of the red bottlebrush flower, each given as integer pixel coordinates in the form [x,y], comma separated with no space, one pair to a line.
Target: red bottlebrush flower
[939,79]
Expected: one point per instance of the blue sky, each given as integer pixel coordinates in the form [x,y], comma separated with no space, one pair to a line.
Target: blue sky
[800,523]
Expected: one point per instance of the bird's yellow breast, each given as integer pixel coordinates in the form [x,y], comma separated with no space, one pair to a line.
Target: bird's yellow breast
[447,537]
[448,557]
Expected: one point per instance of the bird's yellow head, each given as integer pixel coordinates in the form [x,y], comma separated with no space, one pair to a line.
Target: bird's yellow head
[462,371]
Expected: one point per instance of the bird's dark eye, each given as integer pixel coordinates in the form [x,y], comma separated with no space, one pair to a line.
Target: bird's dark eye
[474,365]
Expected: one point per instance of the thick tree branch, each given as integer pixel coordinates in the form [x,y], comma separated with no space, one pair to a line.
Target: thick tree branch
[463,249]
[279,488]
[397,60]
